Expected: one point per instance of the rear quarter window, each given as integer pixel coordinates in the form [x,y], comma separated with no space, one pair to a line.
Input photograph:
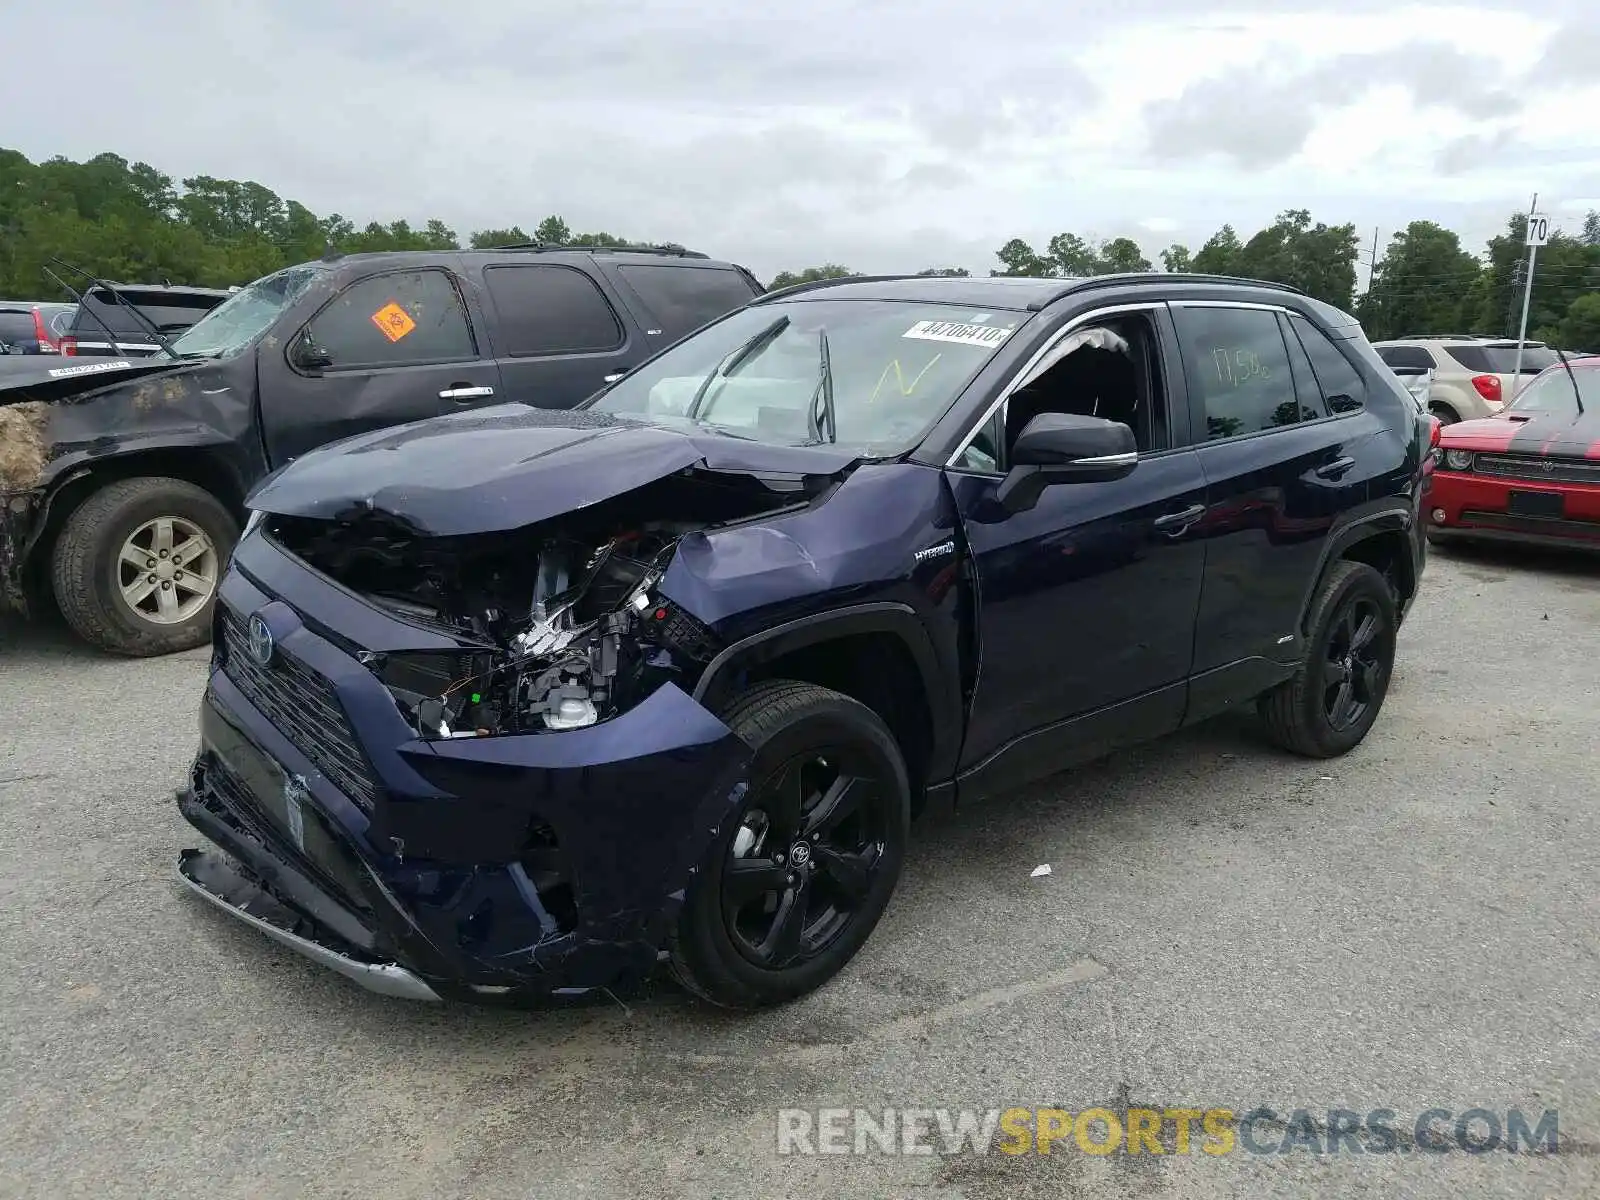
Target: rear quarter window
[682,298]
[16,325]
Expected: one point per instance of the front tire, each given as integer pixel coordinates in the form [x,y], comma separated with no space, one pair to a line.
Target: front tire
[799,876]
[137,566]
[1332,701]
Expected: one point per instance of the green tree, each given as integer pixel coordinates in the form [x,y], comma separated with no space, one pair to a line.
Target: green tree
[488,239]
[785,279]
[1591,229]
[1424,283]
[1580,328]
[1018,258]
[948,272]
[553,231]
[1177,259]
[1220,255]
[1121,254]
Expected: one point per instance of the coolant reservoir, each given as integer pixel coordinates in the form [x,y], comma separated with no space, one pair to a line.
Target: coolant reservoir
[572,713]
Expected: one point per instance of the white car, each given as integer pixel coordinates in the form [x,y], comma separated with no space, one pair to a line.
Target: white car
[1472,376]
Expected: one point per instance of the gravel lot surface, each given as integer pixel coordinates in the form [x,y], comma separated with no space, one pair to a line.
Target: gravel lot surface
[1416,925]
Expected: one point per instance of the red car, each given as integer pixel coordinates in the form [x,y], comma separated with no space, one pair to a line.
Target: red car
[1529,474]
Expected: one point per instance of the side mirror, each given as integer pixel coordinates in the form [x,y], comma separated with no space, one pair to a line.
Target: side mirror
[1065,448]
[307,356]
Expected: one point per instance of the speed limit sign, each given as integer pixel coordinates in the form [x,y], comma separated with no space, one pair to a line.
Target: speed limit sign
[1538,230]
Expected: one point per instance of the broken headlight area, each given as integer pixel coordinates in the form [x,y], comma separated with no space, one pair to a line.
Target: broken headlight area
[562,628]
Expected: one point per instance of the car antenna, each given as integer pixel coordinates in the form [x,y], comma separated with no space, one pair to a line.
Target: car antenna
[1576,398]
[155,332]
[82,307]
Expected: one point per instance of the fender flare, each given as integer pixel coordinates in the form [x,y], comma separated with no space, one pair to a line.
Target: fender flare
[896,619]
[1392,519]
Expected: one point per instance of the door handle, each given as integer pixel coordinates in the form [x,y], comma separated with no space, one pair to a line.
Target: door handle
[463,391]
[1175,523]
[1334,469]
[613,377]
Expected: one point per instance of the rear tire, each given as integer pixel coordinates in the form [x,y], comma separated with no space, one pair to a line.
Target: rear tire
[1333,699]
[1444,414]
[160,604]
[788,892]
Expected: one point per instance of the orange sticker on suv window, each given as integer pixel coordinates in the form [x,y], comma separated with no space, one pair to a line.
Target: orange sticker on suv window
[393,321]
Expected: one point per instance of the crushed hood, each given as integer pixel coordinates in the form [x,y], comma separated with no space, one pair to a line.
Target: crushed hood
[505,467]
[42,377]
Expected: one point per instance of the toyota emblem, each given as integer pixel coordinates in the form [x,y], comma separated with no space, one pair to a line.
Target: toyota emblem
[799,854]
[261,645]
[1549,464]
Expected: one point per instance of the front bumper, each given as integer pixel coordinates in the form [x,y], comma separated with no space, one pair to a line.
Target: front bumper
[539,864]
[217,880]
[1478,507]
[21,517]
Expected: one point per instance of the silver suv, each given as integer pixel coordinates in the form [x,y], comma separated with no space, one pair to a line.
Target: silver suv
[1472,376]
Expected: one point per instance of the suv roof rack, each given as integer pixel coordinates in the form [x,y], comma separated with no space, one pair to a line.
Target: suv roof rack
[1183,278]
[668,249]
[1440,337]
[794,289]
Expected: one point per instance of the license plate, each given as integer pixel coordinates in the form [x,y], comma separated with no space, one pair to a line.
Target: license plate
[1535,504]
[278,794]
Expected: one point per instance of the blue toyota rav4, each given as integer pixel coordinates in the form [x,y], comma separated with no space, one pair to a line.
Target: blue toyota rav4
[521,702]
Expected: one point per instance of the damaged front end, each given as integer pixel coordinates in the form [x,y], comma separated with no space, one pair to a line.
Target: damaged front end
[469,763]
[563,624]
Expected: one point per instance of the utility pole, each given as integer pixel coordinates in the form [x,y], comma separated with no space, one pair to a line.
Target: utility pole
[1536,236]
[1372,275]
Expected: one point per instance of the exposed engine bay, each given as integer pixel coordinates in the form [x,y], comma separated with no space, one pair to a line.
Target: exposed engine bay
[571,628]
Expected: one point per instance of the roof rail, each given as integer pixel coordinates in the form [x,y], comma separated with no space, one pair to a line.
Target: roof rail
[1186,278]
[668,249]
[811,285]
[1440,337]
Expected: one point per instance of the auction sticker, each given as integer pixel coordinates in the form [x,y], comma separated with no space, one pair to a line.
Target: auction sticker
[393,321]
[88,369]
[957,331]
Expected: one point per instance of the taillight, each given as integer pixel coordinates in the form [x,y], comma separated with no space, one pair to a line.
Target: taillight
[69,344]
[1488,387]
[41,334]
[1434,432]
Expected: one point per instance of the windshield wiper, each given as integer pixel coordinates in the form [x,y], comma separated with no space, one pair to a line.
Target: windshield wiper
[161,339]
[1576,398]
[736,360]
[824,390]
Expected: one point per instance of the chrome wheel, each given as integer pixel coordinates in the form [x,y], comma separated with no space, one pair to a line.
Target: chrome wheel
[167,570]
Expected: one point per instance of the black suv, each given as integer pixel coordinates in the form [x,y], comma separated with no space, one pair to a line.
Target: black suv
[122,321]
[515,701]
[122,505]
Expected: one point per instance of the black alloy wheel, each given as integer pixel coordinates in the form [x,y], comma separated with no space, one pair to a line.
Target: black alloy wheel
[799,875]
[805,856]
[1355,665]
[1332,700]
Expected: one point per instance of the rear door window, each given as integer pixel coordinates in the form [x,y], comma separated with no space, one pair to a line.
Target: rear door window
[1238,364]
[1340,382]
[550,309]
[409,318]
[683,298]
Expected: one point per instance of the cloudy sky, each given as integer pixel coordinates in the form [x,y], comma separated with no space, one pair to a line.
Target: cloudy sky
[885,135]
